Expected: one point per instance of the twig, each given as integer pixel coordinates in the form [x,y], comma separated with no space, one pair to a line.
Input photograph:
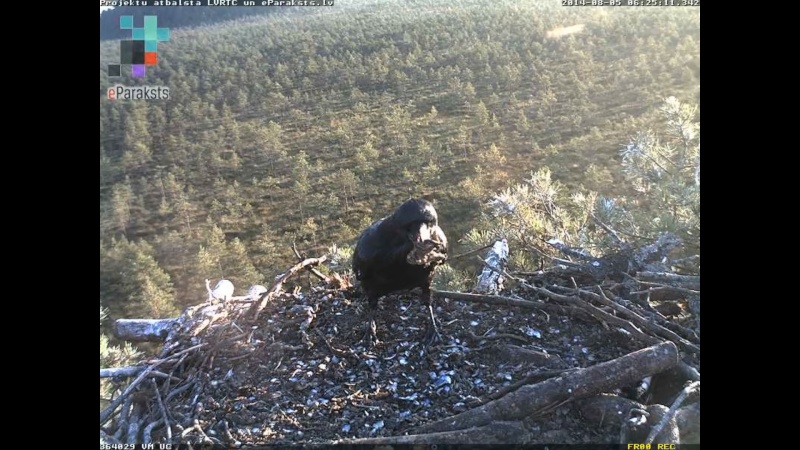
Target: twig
[641,321]
[498,337]
[333,350]
[120,371]
[597,313]
[658,289]
[226,429]
[669,277]
[316,272]
[163,410]
[172,356]
[668,287]
[608,230]
[569,251]
[123,418]
[208,288]
[256,308]
[130,371]
[471,252]
[196,427]
[179,390]
[148,431]
[490,299]
[529,379]
[672,410]
[168,384]
[134,424]
[106,413]
[500,272]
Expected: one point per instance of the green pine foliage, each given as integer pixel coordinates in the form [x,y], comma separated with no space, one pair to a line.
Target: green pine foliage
[661,170]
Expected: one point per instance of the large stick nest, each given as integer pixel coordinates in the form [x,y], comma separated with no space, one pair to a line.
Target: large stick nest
[517,367]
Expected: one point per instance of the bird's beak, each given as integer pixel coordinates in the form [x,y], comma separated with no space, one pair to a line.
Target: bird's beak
[423,235]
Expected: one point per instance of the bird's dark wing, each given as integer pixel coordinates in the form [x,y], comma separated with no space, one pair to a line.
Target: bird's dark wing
[368,249]
[379,246]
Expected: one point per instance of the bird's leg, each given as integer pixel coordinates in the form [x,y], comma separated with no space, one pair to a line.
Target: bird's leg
[370,330]
[432,335]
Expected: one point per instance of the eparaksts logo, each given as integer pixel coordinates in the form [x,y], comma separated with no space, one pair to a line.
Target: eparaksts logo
[120,92]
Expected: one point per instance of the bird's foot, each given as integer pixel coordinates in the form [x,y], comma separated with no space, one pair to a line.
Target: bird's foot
[370,338]
[432,337]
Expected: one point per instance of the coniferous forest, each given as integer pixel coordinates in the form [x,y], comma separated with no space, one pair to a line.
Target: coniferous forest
[306,125]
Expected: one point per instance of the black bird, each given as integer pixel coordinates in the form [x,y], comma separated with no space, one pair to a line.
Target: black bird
[400,252]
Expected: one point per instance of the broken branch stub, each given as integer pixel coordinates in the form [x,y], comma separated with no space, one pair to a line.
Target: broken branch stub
[490,281]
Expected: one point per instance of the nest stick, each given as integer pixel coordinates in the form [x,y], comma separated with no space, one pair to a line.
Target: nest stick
[163,411]
[256,308]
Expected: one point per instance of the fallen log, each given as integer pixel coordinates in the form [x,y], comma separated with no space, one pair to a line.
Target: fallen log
[541,398]
[143,330]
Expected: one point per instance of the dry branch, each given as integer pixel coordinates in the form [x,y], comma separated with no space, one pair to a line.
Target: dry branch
[597,313]
[163,410]
[603,316]
[537,398]
[105,414]
[471,252]
[314,271]
[513,432]
[488,299]
[642,322]
[530,379]
[667,277]
[127,372]
[124,372]
[681,290]
[256,308]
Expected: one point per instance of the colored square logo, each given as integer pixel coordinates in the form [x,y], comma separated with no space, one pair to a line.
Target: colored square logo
[125,22]
[137,71]
[142,49]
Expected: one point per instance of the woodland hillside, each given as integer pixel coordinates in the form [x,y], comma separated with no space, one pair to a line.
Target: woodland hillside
[305,127]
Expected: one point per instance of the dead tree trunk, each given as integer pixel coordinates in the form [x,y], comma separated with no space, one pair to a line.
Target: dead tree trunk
[491,279]
[143,330]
